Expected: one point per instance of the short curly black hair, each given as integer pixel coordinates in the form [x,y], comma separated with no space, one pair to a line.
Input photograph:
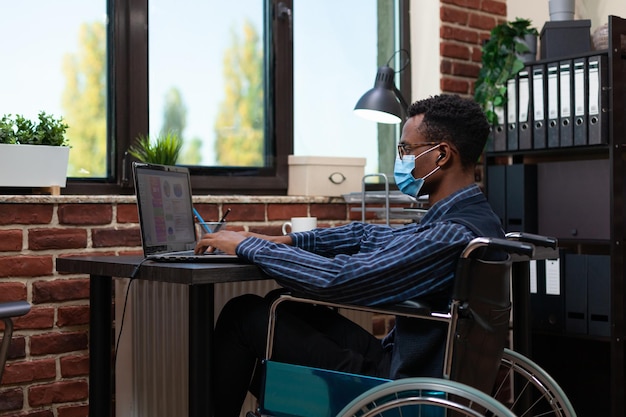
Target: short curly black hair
[456,120]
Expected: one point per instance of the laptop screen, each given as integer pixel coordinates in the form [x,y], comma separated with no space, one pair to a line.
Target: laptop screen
[165,208]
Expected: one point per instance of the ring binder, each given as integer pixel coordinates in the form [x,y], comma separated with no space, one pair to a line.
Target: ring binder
[539,107]
[575,293]
[524,126]
[499,130]
[598,100]
[553,105]
[566,131]
[580,102]
[511,115]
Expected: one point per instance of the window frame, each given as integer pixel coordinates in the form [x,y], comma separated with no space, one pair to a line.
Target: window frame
[128,103]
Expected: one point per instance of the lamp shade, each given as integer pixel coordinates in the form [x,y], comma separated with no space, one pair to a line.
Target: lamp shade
[382,103]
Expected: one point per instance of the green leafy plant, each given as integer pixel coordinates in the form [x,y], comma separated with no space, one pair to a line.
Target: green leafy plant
[48,130]
[500,62]
[164,149]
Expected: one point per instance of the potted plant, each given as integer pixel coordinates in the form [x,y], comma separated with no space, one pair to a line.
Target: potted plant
[33,153]
[164,149]
[502,59]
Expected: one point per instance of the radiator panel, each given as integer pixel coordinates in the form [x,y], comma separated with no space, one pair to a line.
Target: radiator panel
[152,363]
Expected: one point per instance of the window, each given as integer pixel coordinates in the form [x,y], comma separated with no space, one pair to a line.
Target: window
[337,52]
[239,81]
[55,62]
[206,80]
[211,76]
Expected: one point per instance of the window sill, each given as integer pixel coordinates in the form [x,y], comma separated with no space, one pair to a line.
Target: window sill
[122,199]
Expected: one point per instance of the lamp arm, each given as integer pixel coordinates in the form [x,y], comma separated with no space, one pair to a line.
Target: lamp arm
[401,99]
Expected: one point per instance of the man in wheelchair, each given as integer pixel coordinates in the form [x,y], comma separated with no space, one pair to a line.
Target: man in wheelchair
[364,264]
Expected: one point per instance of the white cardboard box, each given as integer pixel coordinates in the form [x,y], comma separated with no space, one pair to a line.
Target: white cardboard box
[324,175]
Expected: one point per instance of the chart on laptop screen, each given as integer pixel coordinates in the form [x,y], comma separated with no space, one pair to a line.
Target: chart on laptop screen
[166,208]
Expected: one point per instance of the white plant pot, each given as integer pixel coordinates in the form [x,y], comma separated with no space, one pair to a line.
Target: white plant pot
[561,9]
[33,165]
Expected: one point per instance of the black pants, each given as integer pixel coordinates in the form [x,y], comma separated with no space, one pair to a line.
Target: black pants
[304,335]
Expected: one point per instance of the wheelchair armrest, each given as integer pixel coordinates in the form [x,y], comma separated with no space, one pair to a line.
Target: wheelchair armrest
[537,240]
[546,247]
[510,246]
[409,307]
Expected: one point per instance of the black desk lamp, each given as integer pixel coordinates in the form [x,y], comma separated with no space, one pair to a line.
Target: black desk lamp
[383,103]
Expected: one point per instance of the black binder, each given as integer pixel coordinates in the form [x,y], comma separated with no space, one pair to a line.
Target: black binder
[499,131]
[580,101]
[511,115]
[566,134]
[496,190]
[547,302]
[524,126]
[539,106]
[599,294]
[552,76]
[521,204]
[575,293]
[597,121]
[489,144]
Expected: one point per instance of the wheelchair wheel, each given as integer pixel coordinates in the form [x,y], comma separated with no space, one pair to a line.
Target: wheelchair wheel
[528,390]
[424,397]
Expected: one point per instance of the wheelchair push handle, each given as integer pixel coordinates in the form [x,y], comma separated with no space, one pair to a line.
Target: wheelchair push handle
[537,240]
[509,246]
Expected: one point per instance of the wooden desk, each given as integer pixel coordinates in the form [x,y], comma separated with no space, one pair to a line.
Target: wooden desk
[199,276]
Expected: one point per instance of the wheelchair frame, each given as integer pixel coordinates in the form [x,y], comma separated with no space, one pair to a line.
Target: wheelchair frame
[438,394]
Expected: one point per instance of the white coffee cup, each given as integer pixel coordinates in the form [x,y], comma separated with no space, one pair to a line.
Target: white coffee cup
[299,224]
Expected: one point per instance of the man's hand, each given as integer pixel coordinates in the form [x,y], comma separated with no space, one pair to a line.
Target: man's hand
[227,241]
[224,240]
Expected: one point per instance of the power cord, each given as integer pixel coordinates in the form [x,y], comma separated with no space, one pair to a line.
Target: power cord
[132,278]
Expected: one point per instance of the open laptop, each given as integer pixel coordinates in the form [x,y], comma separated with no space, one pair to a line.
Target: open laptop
[166,217]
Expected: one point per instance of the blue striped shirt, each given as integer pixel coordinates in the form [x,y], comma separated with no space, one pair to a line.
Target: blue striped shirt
[368,264]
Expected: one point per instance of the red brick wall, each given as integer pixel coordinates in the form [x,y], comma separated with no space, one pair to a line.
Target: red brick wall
[465,24]
[46,374]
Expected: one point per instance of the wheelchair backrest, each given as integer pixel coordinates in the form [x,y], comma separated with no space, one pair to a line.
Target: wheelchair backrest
[481,308]
[482,301]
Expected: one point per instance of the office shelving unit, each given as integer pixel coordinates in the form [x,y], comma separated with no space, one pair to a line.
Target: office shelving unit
[590,367]
[386,204]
